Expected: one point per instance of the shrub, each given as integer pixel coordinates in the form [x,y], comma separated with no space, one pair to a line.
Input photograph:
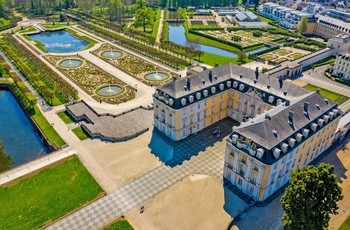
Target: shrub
[236,38]
[257,34]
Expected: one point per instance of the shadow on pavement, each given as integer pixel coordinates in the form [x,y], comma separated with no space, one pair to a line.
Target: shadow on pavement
[173,153]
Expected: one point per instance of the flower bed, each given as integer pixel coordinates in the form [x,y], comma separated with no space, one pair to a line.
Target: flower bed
[90,77]
[132,65]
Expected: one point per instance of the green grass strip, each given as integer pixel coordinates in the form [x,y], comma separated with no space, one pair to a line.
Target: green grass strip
[120,225]
[47,196]
[46,128]
[66,118]
[211,59]
[333,96]
[80,133]
[156,24]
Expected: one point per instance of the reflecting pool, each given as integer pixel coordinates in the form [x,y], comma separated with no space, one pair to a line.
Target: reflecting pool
[59,41]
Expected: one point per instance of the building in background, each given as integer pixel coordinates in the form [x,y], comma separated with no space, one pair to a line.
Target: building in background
[342,66]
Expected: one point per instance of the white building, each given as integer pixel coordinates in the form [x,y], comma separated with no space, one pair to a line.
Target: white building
[342,66]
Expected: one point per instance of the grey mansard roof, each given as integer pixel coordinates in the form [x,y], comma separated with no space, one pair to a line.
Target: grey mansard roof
[232,72]
[261,129]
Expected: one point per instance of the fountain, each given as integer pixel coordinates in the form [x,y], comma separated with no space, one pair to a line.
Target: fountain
[156,76]
[110,90]
[111,54]
[70,63]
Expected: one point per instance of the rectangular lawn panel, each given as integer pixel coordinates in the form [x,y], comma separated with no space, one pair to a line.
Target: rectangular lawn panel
[41,199]
[80,133]
[66,118]
[340,99]
[46,128]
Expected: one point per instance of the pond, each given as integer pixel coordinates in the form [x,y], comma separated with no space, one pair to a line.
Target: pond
[177,35]
[59,41]
[17,134]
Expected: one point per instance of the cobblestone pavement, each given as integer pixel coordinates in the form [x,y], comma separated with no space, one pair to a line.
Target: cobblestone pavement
[192,156]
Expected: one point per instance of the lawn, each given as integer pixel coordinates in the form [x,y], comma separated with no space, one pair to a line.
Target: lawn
[66,118]
[340,99]
[27,30]
[43,198]
[49,26]
[156,24]
[211,59]
[120,224]
[345,225]
[46,128]
[80,133]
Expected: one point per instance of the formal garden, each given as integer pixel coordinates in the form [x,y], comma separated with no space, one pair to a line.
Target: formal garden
[92,78]
[132,65]
[244,37]
[284,54]
[40,198]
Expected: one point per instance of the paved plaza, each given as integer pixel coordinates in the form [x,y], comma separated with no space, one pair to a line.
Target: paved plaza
[194,156]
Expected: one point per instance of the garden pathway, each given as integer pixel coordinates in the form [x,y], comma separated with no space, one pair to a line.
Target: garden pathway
[160,27]
[192,156]
[44,106]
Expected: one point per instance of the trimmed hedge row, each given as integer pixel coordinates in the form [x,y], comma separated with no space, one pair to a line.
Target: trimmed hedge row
[62,89]
[138,47]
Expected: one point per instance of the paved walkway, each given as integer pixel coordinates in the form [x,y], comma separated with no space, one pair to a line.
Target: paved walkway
[193,156]
[160,27]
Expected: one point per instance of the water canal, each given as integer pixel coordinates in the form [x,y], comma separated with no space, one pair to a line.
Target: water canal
[17,134]
[177,35]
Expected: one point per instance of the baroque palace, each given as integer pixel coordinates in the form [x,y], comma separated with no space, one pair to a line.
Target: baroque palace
[282,126]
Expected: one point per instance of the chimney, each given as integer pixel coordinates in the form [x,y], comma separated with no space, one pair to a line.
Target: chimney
[285,93]
[241,76]
[216,64]
[256,73]
[281,82]
[189,83]
[174,78]
[210,75]
[286,103]
[268,86]
[318,91]
[290,115]
[306,106]
[267,116]
[255,81]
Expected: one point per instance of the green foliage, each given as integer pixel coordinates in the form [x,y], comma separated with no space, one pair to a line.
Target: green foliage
[46,128]
[80,133]
[66,118]
[5,160]
[345,225]
[52,193]
[236,38]
[144,16]
[303,25]
[310,198]
[241,56]
[120,225]
[257,34]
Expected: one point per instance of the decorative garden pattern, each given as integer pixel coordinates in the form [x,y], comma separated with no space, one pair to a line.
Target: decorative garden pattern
[134,66]
[91,78]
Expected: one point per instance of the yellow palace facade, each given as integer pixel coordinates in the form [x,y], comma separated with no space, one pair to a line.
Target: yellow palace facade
[282,126]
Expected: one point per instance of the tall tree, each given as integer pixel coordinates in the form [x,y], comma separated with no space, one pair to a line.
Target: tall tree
[241,56]
[302,25]
[144,17]
[310,198]
[5,160]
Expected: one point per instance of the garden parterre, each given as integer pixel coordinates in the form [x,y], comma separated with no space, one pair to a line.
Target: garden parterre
[90,78]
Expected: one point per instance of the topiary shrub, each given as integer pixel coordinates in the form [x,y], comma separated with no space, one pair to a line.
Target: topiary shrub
[236,38]
[257,34]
